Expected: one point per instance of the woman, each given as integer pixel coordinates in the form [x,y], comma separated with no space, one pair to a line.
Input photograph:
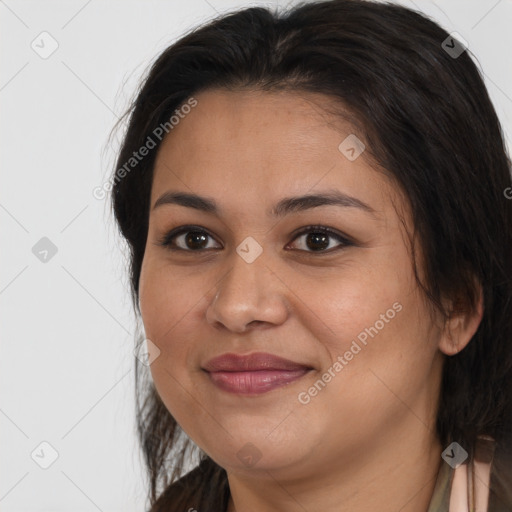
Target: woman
[320,239]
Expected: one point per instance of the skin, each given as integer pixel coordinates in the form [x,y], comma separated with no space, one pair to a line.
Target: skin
[367,440]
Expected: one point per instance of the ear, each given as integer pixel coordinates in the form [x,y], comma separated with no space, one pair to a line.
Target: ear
[461,326]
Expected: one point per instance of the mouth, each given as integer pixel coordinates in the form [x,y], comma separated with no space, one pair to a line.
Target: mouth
[253,374]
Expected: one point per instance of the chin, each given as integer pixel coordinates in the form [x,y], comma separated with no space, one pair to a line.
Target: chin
[251,454]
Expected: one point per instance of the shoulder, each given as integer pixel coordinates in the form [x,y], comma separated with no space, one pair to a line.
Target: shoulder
[483,483]
[500,486]
[486,479]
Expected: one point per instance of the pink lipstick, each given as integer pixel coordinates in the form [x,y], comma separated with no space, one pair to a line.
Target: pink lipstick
[254,373]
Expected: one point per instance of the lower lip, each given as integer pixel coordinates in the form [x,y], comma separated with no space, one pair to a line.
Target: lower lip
[255,382]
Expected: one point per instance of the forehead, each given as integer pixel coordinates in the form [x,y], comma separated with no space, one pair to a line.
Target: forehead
[247,121]
[252,145]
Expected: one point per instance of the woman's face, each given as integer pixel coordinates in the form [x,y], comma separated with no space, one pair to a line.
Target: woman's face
[246,279]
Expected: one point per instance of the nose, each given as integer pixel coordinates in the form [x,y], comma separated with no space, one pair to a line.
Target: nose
[248,294]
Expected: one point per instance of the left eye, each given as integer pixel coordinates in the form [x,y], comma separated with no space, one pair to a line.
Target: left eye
[317,239]
[194,239]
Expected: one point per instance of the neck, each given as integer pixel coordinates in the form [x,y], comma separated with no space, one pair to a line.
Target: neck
[397,472]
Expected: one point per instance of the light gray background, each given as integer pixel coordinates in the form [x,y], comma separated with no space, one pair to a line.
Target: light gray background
[66,367]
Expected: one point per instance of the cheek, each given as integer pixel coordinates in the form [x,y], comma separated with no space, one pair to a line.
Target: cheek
[374,331]
[356,301]
[169,303]
[380,353]
[383,324]
[167,298]
[382,360]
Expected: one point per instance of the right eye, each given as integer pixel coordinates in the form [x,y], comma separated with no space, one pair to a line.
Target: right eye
[186,238]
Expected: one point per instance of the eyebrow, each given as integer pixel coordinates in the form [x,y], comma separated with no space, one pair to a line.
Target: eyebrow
[283,207]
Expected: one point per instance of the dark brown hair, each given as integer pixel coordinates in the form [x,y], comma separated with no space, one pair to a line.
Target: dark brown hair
[427,120]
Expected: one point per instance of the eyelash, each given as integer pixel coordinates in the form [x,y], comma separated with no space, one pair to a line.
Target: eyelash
[166,240]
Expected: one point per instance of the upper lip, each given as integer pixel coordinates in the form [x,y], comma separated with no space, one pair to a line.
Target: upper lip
[251,362]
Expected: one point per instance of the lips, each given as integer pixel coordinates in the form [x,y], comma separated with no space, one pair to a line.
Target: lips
[252,362]
[254,373]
